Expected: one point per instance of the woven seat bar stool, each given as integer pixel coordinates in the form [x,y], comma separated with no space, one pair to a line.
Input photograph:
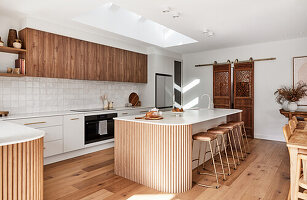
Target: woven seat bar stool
[242,133]
[209,139]
[236,139]
[301,125]
[222,132]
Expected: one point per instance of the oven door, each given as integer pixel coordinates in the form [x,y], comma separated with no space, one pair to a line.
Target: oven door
[99,128]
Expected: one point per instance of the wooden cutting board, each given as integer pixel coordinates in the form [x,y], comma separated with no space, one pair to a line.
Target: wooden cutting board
[134,99]
[149,118]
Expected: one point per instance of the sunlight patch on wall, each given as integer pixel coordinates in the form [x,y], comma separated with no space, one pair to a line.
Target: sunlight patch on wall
[191,104]
[190,85]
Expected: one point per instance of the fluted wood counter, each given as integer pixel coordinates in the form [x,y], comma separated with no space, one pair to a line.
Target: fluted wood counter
[158,153]
[21,167]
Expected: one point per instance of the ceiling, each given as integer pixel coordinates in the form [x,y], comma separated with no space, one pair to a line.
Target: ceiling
[234,23]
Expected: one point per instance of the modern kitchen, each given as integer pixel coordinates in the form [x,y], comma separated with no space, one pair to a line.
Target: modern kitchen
[144,100]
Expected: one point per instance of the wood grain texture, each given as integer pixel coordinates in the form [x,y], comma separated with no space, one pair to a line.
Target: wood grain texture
[156,156]
[222,86]
[55,56]
[243,83]
[262,176]
[21,171]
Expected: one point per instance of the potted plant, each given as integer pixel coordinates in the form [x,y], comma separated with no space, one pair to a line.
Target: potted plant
[291,95]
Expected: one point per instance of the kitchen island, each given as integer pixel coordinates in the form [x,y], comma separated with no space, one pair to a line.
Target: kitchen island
[21,166]
[158,153]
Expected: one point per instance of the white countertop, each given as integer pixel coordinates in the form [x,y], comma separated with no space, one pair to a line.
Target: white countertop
[68,112]
[188,117]
[13,133]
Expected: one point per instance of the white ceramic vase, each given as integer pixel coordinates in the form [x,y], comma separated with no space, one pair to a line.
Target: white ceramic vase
[285,105]
[292,106]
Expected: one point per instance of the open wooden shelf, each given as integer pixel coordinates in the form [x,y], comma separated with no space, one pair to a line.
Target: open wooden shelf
[12,50]
[11,75]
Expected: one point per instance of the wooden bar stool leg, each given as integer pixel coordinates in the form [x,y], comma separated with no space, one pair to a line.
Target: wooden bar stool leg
[247,144]
[221,161]
[242,140]
[238,137]
[215,172]
[236,149]
[233,157]
[198,172]
[226,155]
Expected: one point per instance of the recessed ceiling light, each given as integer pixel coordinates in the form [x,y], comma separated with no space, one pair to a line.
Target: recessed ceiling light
[205,30]
[210,34]
[166,9]
[176,15]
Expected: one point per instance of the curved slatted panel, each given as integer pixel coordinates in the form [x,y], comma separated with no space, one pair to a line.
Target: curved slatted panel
[156,156]
[21,170]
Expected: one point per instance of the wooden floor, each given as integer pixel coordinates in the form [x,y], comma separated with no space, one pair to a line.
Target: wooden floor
[263,175]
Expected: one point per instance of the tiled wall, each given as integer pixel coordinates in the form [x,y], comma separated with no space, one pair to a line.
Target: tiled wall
[28,95]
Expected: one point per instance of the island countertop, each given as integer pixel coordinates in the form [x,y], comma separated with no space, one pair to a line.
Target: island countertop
[13,133]
[188,117]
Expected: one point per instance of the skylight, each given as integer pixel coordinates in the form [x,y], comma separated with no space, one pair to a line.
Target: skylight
[113,18]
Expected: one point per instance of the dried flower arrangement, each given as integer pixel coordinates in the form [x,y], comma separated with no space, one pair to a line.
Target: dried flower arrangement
[291,94]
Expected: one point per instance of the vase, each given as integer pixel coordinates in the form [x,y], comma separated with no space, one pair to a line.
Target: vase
[12,37]
[1,43]
[292,106]
[285,105]
[17,44]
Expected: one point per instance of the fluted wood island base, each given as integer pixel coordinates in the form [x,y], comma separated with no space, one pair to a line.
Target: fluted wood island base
[158,154]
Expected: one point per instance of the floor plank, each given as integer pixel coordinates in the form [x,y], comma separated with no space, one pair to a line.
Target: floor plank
[263,175]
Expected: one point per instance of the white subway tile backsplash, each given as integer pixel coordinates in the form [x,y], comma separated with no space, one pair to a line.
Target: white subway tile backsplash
[29,94]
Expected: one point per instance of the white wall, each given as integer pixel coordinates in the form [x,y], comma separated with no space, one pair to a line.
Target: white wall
[269,75]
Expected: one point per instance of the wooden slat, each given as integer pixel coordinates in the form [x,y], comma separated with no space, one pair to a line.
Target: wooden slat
[21,171]
[151,155]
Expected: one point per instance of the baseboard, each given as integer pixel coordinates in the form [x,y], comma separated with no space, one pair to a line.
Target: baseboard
[266,137]
[68,155]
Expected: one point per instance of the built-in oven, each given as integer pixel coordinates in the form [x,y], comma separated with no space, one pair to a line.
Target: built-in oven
[99,127]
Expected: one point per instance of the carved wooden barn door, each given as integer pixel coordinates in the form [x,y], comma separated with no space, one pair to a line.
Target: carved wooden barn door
[243,83]
[222,86]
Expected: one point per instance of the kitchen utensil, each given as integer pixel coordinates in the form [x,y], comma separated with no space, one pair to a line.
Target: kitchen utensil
[133,99]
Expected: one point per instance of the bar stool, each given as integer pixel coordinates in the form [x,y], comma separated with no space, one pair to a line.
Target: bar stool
[231,128]
[299,124]
[242,133]
[208,138]
[221,132]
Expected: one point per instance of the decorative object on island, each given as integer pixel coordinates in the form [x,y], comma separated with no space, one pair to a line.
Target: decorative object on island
[17,44]
[1,43]
[291,95]
[12,37]
[300,74]
[4,113]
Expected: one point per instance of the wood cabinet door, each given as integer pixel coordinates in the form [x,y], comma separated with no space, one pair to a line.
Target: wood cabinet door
[91,62]
[119,68]
[73,56]
[53,60]
[131,66]
[142,67]
[33,48]
[243,84]
[222,86]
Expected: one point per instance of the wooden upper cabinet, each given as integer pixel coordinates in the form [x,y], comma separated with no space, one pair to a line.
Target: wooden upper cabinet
[55,56]
[91,61]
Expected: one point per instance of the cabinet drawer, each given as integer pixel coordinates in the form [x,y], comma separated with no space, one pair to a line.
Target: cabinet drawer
[52,133]
[53,148]
[40,122]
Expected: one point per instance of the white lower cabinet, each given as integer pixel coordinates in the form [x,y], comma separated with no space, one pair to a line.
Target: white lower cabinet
[53,148]
[73,132]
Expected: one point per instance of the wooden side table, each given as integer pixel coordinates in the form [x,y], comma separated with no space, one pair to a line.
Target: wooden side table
[298,113]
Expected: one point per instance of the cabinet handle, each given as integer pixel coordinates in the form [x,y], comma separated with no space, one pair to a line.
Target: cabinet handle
[44,147]
[74,119]
[125,113]
[35,123]
[143,111]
